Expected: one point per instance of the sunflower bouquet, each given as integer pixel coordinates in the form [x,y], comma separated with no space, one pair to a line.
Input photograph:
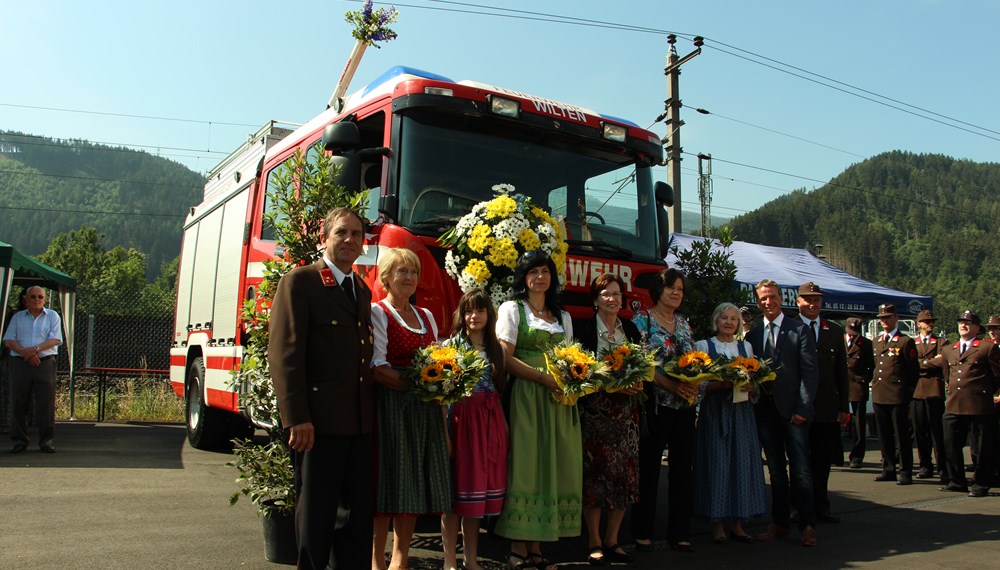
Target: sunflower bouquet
[576,370]
[692,367]
[743,371]
[445,373]
[625,365]
[486,243]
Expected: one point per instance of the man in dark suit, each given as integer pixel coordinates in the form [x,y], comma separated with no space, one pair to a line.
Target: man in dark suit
[972,373]
[783,413]
[860,366]
[832,410]
[892,388]
[927,407]
[320,354]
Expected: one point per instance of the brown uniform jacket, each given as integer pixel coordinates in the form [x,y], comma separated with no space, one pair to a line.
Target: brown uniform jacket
[860,366]
[972,377]
[320,352]
[930,383]
[831,392]
[895,370]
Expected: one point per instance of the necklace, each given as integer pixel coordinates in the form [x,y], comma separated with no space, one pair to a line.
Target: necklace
[538,312]
[662,319]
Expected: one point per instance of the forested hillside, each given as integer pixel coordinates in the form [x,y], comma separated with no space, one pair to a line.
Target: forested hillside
[136,200]
[922,223]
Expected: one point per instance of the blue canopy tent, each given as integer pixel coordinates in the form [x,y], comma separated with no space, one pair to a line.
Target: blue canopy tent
[843,293]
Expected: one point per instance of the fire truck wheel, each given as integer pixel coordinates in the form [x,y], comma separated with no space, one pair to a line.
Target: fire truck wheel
[207,428]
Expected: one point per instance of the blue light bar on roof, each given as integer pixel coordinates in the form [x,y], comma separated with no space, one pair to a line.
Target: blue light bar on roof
[617,120]
[394,72]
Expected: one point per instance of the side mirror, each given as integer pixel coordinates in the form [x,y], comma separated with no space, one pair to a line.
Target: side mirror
[663,192]
[340,137]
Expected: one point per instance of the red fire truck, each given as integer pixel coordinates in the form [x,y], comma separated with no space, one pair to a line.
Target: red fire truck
[426,149]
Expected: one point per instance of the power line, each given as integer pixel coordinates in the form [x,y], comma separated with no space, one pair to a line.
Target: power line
[860,96]
[712,113]
[64,210]
[95,179]
[108,146]
[106,113]
[839,185]
[556,18]
[855,87]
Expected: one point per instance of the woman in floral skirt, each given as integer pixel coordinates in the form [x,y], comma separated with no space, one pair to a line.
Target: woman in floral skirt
[610,426]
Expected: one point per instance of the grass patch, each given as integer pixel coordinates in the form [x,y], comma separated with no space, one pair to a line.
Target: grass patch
[145,400]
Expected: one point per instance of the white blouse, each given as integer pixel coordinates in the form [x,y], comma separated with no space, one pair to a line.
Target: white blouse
[508,319]
[380,324]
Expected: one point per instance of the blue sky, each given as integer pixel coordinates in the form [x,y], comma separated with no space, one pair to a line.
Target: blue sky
[217,62]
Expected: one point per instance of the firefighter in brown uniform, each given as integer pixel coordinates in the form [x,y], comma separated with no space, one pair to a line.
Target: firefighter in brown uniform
[892,389]
[860,366]
[927,407]
[972,375]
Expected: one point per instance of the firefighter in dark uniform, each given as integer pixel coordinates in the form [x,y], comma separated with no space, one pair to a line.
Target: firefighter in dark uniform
[927,407]
[860,366]
[972,374]
[892,389]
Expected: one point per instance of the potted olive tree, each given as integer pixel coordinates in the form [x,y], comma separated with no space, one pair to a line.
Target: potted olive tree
[301,192]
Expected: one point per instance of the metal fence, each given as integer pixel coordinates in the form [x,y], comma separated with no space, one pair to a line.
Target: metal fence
[116,340]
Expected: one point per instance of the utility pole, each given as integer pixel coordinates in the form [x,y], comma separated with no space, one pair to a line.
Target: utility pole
[705,193]
[674,122]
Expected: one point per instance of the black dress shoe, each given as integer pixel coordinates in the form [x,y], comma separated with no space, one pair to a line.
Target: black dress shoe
[954,488]
[885,477]
[979,491]
[18,448]
[682,546]
[855,464]
[644,547]
[925,473]
[905,479]
[47,449]
[827,518]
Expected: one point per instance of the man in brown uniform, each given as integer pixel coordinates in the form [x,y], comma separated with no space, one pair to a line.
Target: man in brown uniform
[972,374]
[892,388]
[320,353]
[927,407]
[831,403]
[860,366]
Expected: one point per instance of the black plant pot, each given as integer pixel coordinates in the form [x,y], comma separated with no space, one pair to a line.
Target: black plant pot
[279,536]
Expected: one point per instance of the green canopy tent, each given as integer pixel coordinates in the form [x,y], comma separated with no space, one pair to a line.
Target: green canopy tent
[19,269]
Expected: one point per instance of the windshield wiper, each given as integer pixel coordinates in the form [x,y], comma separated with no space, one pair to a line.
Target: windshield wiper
[596,244]
[439,224]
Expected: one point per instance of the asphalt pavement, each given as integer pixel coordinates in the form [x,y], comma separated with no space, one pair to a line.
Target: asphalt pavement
[138,496]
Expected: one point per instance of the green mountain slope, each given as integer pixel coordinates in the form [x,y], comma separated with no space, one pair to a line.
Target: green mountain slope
[921,223]
[137,200]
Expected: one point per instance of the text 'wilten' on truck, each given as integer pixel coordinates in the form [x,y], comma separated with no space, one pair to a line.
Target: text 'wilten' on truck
[426,149]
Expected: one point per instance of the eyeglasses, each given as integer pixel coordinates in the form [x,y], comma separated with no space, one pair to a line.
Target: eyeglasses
[36,297]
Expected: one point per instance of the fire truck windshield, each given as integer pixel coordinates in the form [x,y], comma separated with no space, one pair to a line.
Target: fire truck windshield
[447,165]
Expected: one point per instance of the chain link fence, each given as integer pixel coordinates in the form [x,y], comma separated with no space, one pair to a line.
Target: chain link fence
[116,347]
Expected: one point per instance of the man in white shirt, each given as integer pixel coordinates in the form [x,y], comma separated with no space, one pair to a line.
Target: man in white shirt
[32,338]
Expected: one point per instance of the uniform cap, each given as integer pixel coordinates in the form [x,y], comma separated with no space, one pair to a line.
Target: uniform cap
[809,288]
[886,311]
[971,317]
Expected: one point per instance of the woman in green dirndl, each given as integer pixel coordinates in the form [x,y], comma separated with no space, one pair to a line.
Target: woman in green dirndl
[545,482]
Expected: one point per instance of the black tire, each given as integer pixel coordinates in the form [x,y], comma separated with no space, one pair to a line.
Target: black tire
[207,428]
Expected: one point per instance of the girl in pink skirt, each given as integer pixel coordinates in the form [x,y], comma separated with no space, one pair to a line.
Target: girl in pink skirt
[478,434]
